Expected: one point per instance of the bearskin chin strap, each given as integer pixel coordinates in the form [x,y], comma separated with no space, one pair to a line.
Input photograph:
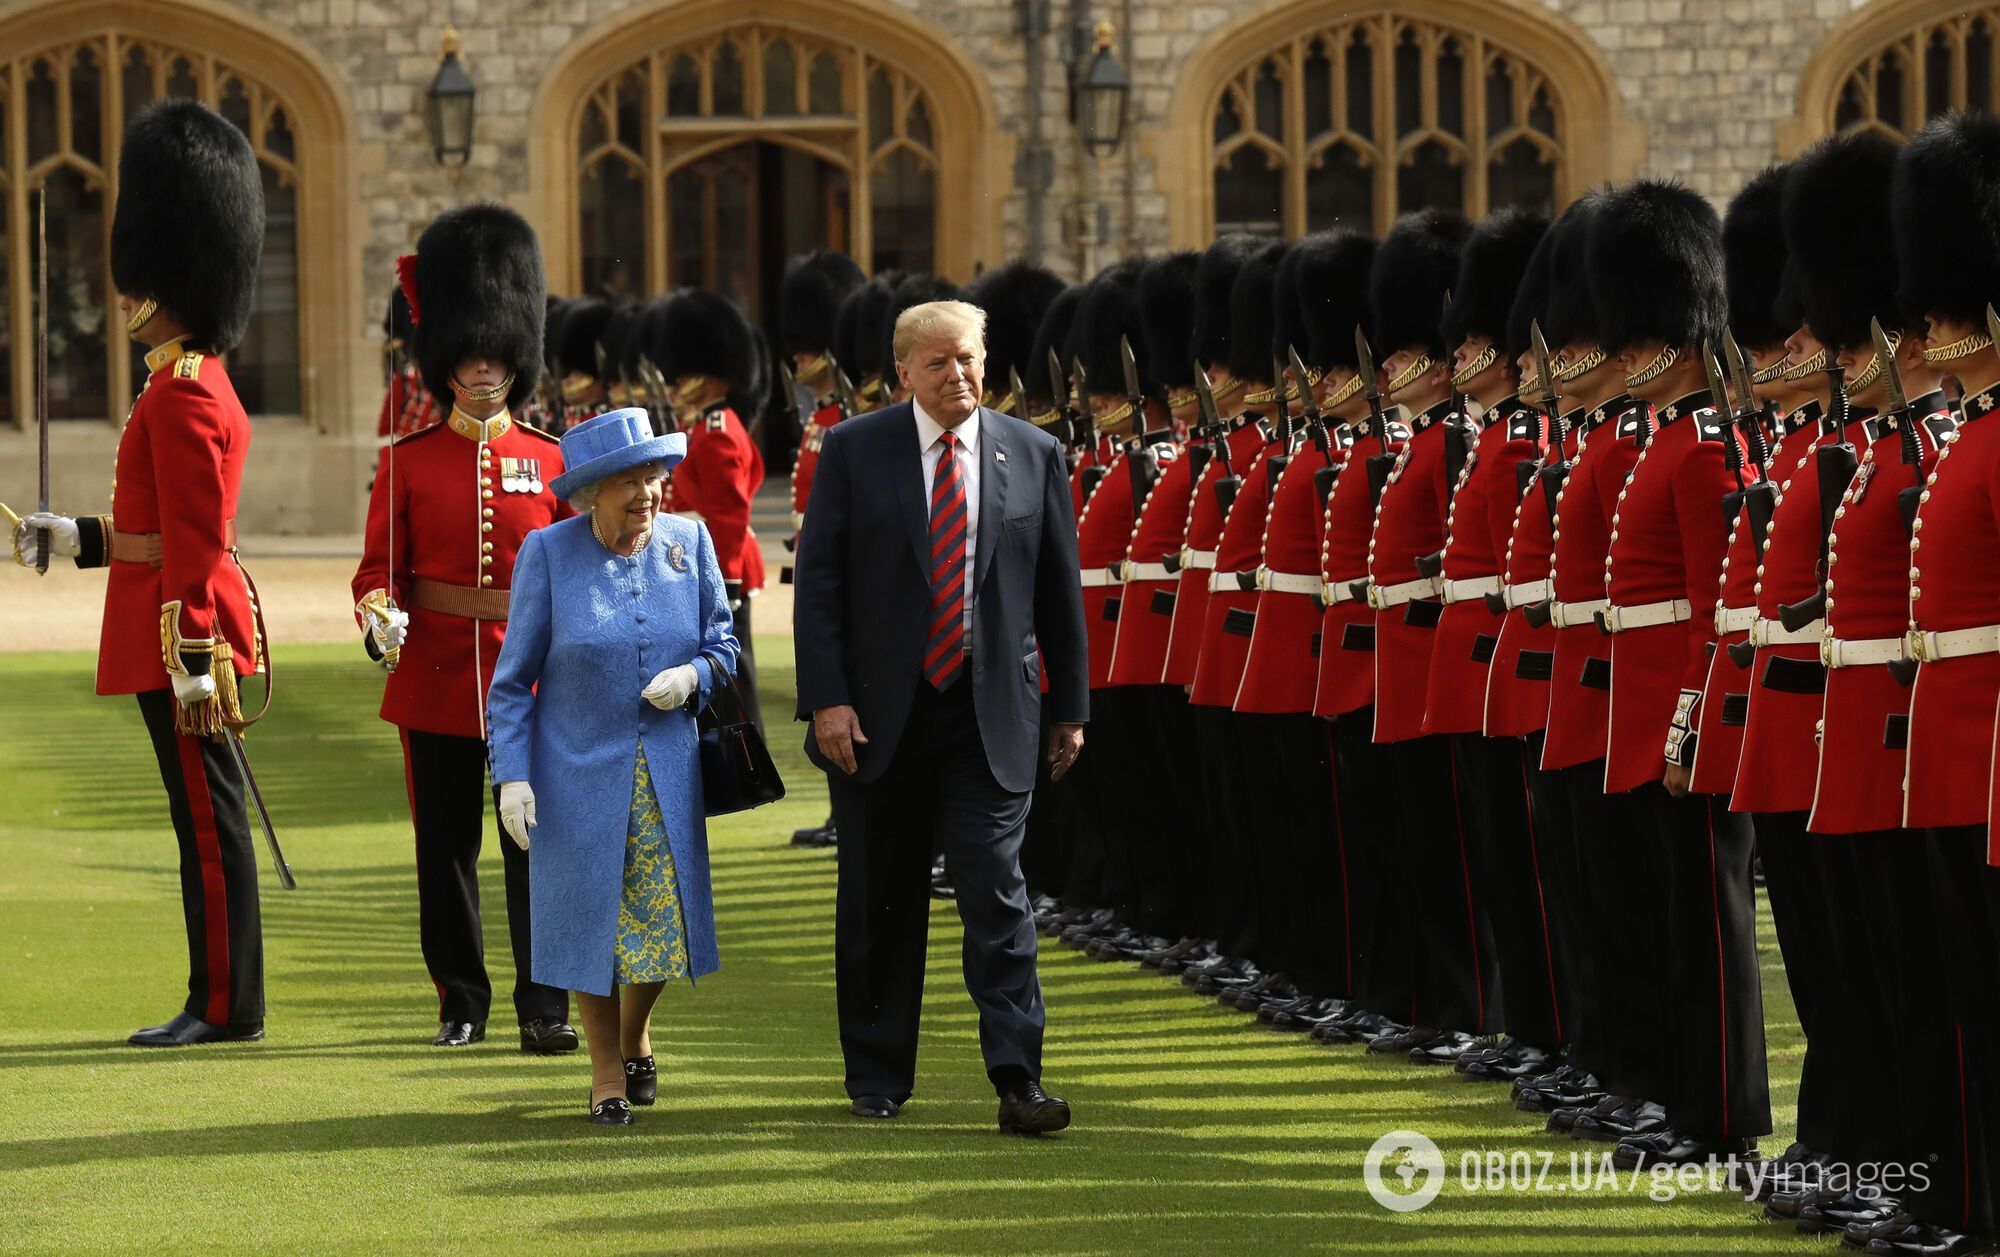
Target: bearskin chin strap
[1408,375]
[1654,369]
[689,388]
[1570,373]
[477,395]
[1471,370]
[1342,395]
[1771,374]
[1870,373]
[1964,347]
[141,316]
[1811,366]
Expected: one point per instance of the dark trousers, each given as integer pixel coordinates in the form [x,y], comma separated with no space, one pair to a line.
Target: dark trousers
[1383,947]
[937,794]
[1805,941]
[1960,902]
[218,870]
[1722,1088]
[1234,912]
[1494,799]
[1164,800]
[1112,811]
[1622,1035]
[446,776]
[1457,982]
[1554,857]
[1044,858]
[1305,885]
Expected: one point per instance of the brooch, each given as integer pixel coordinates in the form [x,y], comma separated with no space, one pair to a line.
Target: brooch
[677,557]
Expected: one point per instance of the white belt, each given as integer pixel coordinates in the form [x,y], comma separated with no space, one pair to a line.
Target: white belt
[1527,592]
[1197,559]
[1383,597]
[1576,614]
[1468,589]
[1335,592]
[1837,653]
[1734,620]
[1146,571]
[1287,582]
[1219,581]
[1774,633]
[1953,643]
[1617,619]
[1093,577]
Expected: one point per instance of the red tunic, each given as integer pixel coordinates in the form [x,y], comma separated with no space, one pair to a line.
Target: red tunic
[1866,725]
[1347,626]
[1146,610]
[179,466]
[1477,528]
[1409,523]
[807,462]
[1517,685]
[1197,560]
[1956,585]
[1725,694]
[1580,673]
[1231,614]
[1668,537]
[1103,535]
[1780,757]
[1279,672]
[460,518]
[716,483]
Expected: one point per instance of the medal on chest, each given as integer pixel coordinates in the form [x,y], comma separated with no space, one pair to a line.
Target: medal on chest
[521,475]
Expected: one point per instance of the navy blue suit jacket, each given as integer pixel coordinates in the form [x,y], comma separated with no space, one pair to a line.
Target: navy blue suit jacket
[861,597]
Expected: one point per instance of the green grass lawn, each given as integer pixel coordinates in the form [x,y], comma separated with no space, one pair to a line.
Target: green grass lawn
[345,1131]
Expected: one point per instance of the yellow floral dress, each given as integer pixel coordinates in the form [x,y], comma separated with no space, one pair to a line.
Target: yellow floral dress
[652,935]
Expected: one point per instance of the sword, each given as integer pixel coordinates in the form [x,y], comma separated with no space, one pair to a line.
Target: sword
[42,539]
[234,741]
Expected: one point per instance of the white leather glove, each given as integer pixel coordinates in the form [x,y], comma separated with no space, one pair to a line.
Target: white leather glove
[389,629]
[517,811]
[190,690]
[63,540]
[671,690]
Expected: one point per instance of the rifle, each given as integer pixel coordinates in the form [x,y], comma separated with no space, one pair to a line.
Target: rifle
[1833,467]
[1084,424]
[1325,476]
[1275,465]
[1379,463]
[1140,460]
[843,392]
[1228,482]
[788,404]
[1900,414]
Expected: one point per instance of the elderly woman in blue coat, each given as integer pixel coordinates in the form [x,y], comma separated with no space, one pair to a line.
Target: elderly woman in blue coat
[616,625]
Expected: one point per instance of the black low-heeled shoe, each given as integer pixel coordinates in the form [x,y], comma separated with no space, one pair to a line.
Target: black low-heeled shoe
[642,1080]
[612,1112]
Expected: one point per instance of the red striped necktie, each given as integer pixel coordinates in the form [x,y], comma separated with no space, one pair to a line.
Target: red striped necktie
[944,655]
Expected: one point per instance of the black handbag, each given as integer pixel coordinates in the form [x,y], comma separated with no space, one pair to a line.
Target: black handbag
[736,769]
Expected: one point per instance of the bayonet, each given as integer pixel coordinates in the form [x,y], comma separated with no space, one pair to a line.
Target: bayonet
[1133,394]
[788,388]
[1380,462]
[1749,412]
[1906,423]
[843,392]
[1018,391]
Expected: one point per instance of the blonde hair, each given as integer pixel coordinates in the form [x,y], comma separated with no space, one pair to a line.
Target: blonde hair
[937,320]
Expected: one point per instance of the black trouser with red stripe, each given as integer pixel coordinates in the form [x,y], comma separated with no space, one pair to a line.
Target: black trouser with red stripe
[1494,801]
[1716,1017]
[1382,944]
[1622,1036]
[1296,857]
[1456,985]
[218,870]
[446,775]
[1560,869]
[1960,904]
[1799,918]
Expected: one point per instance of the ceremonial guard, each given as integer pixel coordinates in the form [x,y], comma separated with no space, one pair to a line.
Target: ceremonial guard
[1493,436]
[584,372]
[407,406]
[858,349]
[1015,296]
[450,509]
[1416,267]
[181,622]
[809,300]
[708,358]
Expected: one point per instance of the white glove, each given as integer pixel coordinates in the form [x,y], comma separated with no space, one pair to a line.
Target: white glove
[389,629]
[671,690]
[63,539]
[191,690]
[517,811]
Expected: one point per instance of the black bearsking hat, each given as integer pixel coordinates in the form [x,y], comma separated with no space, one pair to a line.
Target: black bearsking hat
[396,319]
[1490,273]
[1289,329]
[1571,314]
[1053,334]
[620,338]
[1251,301]
[1946,207]
[1166,317]
[912,291]
[809,299]
[856,347]
[1835,212]
[1214,281]
[1109,312]
[1414,269]
[1333,294]
[1655,263]
[1753,260]
[188,229]
[581,328]
[1015,296]
[703,333]
[1531,298]
[480,294]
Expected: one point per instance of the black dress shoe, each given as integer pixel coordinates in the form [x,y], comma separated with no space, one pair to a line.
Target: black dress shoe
[1302,1013]
[1443,1049]
[1250,998]
[1668,1146]
[1210,977]
[816,836]
[1178,951]
[1522,1060]
[1576,1089]
[1857,1234]
[547,1036]
[1399,1042]
[1798,1166]
[1356,1025]
[642,1080]
[1638,1117]
[459,1033]
[874,1106]
[185,1030]
[1834,1211]
[612,1112]
[1029,1110]
[1929,1240]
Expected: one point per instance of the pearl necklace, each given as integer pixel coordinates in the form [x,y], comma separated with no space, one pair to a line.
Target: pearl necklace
[645,535]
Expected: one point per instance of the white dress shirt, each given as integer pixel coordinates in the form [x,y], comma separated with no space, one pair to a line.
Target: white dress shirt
[929,431]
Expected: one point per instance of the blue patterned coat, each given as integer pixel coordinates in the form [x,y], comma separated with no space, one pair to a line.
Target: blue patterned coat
[586,631]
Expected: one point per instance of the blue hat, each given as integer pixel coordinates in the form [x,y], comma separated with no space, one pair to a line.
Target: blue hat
[610,443]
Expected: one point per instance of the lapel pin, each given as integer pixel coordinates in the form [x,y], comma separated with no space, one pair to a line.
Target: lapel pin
[999,456]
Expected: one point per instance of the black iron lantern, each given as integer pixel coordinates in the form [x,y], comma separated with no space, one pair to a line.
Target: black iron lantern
[1101,88]
[448,105]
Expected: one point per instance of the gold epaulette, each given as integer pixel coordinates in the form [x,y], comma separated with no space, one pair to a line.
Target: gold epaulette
[189,365]
[426,430]
[540,432]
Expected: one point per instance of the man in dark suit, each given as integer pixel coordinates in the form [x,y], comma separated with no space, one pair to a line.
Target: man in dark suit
[936,577]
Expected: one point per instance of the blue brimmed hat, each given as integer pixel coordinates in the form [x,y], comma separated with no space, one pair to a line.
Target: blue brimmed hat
[610,443]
